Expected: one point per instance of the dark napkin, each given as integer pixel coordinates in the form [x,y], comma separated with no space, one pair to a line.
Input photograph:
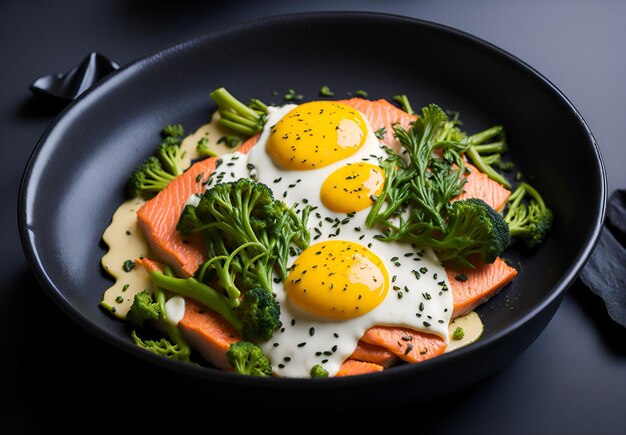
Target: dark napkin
[70,84]
[605,272]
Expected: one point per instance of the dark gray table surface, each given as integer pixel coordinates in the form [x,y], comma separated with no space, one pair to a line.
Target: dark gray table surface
[572,379]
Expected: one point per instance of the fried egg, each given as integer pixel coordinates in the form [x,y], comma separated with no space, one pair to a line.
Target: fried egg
[325,154]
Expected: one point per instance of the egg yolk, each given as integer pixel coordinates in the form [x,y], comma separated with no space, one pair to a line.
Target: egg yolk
[316,134]
[351,187]
[337,279]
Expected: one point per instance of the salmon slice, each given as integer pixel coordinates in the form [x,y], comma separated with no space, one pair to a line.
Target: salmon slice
[411,346]
[351,367]
[158,218]
[208,333]
[382,114]
[150,265]
[482,283]
[481,186]
[374,354]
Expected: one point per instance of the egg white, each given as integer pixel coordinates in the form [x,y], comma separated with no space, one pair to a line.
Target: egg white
[418,296]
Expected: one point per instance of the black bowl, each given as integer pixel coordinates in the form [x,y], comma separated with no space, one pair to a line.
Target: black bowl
[75,178]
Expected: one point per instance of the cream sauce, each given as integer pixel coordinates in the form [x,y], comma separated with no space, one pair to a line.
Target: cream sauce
[213,132]
[126,242]
[473,327]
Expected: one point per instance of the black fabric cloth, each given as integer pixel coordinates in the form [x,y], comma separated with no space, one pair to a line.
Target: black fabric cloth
[605,271]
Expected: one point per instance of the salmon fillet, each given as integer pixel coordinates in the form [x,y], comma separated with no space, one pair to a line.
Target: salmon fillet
[411,346]
[481,186]
[373,354]
[208,333]
[351,367]
[482,283]
[149,264]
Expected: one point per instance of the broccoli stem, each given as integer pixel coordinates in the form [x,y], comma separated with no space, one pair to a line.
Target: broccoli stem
[238,119]
[493,147]
[477,140]
[225,100]
[481,137]
[236,115]
[492,159]
[485,168]
[403,100]
[194,289]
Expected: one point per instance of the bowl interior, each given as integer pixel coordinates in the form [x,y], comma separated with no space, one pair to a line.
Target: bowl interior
[77,175]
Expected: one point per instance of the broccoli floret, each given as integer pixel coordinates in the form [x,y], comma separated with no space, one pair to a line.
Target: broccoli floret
[317,371]
[458,333]
[245,119]
[189,221]
[144,309]
[247,358]
[173,130]
[163,347]
[156,172]
[203,149]
[148,178]
[149,307]
[527,215]
[260,314]
[171,158]
[473,228]
[230,141]
[248,235]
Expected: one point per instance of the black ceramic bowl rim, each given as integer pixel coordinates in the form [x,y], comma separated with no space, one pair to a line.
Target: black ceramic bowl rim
[220,376]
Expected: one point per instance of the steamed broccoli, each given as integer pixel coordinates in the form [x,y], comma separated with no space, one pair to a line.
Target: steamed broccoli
[247,358]
[156,172]
[171,157]
[317,371]
[163,347]
[527,215]
[248,235]
[404,103]
[203,149]
[144,309]
[485,156]
[244,119]
[473,228]
[148,307]
[194,289]
[260,314]
[173,130]
[495,160]
[148,178]
[458,333]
